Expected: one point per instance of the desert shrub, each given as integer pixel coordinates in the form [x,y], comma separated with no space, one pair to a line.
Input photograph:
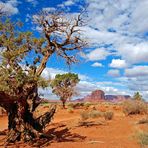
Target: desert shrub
[108,115]
[95,114]
[92,114]
[142,138]
[87,104]
[75,105]
[134,107]
[70,105]
[143,121]
[84,115]
[70,110]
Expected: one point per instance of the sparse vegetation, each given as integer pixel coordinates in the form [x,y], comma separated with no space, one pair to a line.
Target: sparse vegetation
[84,115]
[137,97]
[108,115]
[91,114]
[70,110]
[142,138]
[135,107]
[143,121]
[95,114]
[87,104]
[75,105]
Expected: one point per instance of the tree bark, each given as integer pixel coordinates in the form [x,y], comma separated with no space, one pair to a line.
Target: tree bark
[22,125]
[63,104]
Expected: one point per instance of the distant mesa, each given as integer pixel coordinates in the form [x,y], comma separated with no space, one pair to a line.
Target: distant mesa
[99,96]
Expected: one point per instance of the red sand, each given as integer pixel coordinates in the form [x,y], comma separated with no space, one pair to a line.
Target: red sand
[117,133]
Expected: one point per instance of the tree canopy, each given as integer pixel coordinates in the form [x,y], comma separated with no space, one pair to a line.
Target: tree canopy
[63,86]
[137,97]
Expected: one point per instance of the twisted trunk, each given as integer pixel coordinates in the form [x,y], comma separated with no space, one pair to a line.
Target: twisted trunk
[22,125]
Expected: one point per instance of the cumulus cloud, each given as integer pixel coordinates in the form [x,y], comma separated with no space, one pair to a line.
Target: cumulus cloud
[121,24]
[97,54]
[134,53]
[136,71]
[10,7]
[96,64]
[67,3]
[118,63]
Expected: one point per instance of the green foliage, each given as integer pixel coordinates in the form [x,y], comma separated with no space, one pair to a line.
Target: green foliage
[142,138]
[15,49]
[70,110]
[75,105]
[63,85]
[137,97]
[87,104]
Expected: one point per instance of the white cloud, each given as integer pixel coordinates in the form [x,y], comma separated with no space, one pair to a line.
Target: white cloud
[97,54]
[49,9]
[33,2]
[68,2]
[134,53]
[10,7]
[136,71]
[114,73]
[139,17]
[127,21]
[118,63]
[96,64]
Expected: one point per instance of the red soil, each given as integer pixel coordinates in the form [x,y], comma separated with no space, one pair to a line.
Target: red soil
[116,133]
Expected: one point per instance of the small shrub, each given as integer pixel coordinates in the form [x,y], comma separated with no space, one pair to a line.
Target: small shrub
[143,121]
[95,114]
[108,115]
[70,105]
[70,110]
[142,138]
[75,105]
[134,107]
[84,115]
[87,104]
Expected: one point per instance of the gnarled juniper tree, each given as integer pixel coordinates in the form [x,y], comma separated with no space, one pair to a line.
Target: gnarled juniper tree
[23,59]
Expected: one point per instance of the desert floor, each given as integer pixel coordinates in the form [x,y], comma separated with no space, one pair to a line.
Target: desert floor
[97,133]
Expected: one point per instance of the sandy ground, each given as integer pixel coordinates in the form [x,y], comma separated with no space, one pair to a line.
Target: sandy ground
[116,133]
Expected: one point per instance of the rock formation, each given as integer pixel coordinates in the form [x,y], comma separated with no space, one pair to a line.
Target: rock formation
[99,95]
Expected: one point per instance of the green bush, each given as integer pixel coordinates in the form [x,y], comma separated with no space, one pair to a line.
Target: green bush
[142,138]
[108,115]
[95,114]
[75,105]
[87,104]
[134,107]
[70,110]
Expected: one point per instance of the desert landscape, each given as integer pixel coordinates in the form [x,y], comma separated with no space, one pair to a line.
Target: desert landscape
[73,74]
[88,125]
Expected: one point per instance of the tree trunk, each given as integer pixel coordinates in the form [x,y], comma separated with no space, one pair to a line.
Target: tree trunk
[63,104]
[22,125]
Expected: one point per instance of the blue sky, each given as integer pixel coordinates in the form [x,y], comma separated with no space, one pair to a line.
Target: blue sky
[116,60]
